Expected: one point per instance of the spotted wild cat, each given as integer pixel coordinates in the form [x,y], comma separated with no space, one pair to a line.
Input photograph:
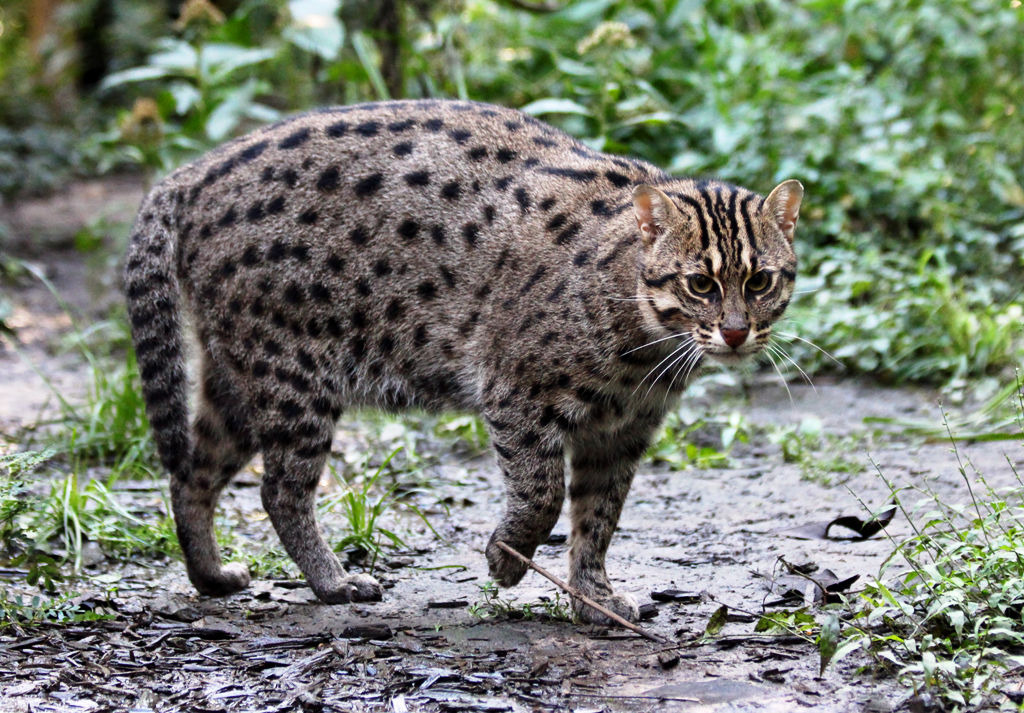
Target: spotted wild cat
[442,255]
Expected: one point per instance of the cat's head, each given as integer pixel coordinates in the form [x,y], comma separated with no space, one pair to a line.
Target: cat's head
[716,263]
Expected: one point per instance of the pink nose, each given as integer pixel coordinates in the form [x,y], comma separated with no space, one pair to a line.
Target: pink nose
[735,337]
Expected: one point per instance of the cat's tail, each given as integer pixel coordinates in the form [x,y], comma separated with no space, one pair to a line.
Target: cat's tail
[155,312]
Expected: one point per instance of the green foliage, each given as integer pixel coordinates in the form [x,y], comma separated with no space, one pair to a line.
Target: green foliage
[110,427]
[61,609]
[900,118]
[363,510]
[678,445]
[492,605]
[821,456]
[949,619]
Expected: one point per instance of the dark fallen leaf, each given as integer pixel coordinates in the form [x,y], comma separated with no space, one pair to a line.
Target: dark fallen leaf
[377,632]
[557,539]
[717,621]
[923,703]
[675,595]
[863,529]
[668,659]
[792,586]
[776,675]
[458,604]
[1015,696]
[648,611]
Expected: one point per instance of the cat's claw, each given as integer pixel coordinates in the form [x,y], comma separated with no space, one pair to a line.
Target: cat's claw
[353,588]
[622,604]
[232,577]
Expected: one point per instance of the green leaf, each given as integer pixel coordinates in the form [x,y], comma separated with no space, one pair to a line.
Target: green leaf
[555,106]
[315,27]
[135,74]
[717,621]
[828,641]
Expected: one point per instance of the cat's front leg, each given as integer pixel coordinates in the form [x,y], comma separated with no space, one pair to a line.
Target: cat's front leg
[532,461]
[602,472]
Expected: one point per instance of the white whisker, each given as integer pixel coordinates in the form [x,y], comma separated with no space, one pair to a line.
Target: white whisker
[781,377]
[678,335]
[691,362]
[685,355]
[781,352]
[808,341]
[671,354]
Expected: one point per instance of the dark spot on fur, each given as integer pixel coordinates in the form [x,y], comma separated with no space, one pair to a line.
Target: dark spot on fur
[276,205]
[427,290]
[359,235]
[329,179]
[369,128]
[418,178]
[294,140]
[451,190]
[408,229]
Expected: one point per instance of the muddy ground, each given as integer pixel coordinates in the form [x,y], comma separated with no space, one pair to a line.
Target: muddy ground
[433,644]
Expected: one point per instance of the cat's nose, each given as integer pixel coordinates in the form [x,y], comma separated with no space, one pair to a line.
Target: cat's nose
[735,337]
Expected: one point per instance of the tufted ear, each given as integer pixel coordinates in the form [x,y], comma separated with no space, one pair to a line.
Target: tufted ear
[783,204]
[654,213]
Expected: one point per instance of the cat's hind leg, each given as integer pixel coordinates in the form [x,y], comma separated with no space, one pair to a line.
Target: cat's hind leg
[222,443]
[295,450]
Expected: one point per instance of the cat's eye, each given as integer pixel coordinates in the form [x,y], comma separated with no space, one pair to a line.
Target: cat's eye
[758,282]
[701,284]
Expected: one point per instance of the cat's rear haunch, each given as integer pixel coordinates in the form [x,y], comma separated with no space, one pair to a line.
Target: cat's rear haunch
[444,256]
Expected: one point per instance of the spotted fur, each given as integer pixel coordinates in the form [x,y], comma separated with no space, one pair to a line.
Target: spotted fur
[442,255]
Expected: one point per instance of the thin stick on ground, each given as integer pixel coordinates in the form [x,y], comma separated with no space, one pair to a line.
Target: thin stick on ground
[576,594]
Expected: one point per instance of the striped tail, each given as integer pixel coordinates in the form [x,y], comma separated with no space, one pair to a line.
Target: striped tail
[154,311]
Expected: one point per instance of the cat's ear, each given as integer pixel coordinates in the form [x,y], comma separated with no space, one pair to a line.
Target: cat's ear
[783,204]
[654,213]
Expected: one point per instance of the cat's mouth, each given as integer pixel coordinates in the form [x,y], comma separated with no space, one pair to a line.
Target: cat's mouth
[729,356]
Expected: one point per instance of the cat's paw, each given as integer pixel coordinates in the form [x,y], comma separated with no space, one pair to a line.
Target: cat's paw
[228,579]
[505,569]
[353,588]
[622,604]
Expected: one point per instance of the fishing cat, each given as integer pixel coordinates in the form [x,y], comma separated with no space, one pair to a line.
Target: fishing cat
[445,256]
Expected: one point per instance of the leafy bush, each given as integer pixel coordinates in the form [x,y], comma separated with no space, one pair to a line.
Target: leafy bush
[900,118]
[944,615]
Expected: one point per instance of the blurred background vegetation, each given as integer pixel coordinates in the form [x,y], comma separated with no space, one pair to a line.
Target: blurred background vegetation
[902,118]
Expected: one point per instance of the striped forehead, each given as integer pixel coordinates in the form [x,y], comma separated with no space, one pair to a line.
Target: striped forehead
[725,216]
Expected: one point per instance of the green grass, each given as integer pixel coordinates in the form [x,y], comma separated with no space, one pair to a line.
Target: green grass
[109,427]
[823,458]
[491,605]
[363,506]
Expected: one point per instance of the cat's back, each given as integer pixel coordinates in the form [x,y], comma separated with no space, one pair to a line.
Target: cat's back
[436,173]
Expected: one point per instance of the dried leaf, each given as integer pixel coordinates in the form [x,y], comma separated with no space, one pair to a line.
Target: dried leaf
[863,529]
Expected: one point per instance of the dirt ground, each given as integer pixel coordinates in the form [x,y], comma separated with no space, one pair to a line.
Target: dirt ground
[713,535]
